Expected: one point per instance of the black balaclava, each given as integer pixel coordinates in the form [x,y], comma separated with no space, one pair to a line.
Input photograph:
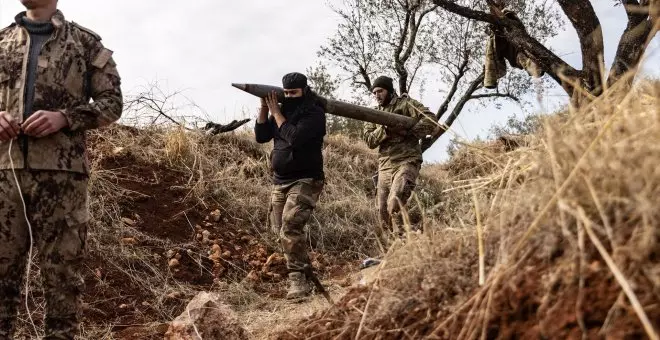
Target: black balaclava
[295,80]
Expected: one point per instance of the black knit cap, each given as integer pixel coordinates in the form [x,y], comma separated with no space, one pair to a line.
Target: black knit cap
[294,80]
[383,82]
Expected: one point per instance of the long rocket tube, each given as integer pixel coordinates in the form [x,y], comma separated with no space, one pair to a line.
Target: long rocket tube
[337,107]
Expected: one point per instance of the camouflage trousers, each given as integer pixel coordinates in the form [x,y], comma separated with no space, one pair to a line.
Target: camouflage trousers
[395,185]
[56,204]
[291,206]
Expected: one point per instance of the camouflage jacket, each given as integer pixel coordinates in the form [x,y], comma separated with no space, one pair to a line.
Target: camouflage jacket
[73,68]
[397,149]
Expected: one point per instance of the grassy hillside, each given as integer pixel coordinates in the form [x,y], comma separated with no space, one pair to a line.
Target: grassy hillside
[557,238]
[553,235]
[178,212]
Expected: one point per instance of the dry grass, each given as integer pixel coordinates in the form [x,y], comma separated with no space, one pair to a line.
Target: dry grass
[571,239]
[154,185]
[569,221]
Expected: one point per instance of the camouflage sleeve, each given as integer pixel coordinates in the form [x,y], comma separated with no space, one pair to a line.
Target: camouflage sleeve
[373,134]
[427,124]
[103,83]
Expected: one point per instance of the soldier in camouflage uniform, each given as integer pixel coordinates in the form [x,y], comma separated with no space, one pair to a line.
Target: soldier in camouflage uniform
[399,152]
[49,71]
[297,129]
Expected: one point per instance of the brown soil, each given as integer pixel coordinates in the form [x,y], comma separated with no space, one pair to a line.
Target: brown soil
[520,309]
[156,205]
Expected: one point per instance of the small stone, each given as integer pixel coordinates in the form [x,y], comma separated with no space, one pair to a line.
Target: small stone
[215,215]
[174,295]
[274,258]
[128,241]
[173,263]
[252,276]
[206,314]
[128,221]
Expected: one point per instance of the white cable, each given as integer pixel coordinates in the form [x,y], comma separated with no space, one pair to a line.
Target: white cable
[29,264]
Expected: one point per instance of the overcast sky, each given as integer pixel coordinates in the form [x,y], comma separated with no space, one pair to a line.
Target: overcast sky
[202,46]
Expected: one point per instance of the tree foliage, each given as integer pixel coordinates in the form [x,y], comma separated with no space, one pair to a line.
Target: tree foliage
[590,80]
[426,49]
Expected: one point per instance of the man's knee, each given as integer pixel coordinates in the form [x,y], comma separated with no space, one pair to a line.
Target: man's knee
[293,223]
[401,191]
[297,212]
[394,205]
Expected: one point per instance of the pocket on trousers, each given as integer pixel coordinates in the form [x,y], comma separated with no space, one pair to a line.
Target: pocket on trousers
[73,244]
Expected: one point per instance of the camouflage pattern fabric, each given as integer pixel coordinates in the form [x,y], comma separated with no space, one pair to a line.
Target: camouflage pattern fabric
[57,210]
[292,205]
[494,67]
[498,49]
[394,149]
[72,68]
[399,159]
[395,185]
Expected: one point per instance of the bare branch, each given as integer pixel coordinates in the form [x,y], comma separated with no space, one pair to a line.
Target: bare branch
[466,12]
[413,32]
[365,77]
[214,128]
[495,95]
[467,96]
[454,86]
[474,86]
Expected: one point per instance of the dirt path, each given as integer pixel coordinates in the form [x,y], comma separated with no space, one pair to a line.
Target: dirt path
[274,315]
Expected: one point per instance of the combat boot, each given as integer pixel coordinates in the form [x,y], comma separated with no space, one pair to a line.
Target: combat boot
[299,287]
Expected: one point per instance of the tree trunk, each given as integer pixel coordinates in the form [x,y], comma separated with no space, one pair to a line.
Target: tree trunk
[474,86]
[634,40]
[583,18]
[403,78]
